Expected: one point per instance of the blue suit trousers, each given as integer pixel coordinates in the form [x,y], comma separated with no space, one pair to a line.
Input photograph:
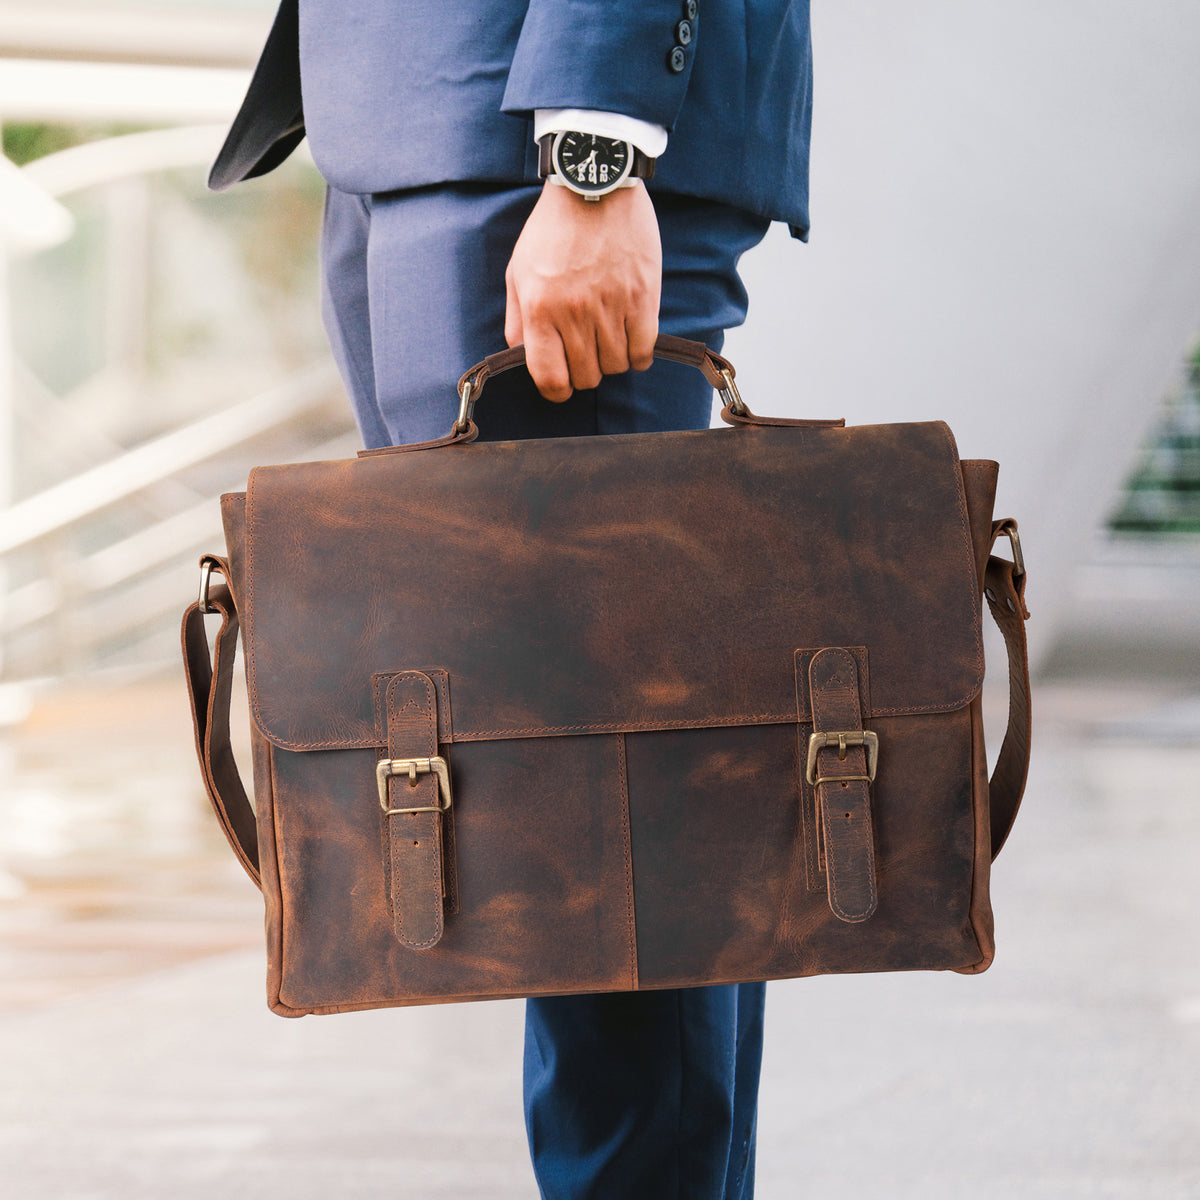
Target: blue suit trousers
[628,1096]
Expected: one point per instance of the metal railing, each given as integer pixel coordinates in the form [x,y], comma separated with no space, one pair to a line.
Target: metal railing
[100,537]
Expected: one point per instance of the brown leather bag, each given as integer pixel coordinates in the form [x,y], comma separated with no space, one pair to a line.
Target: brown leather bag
[608,713]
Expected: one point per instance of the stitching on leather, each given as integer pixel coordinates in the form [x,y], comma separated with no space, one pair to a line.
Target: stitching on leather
[835,903]
[627,838]
[965,529]
[803,659]
[821,700]
[981,831]
[804,655]
[379,685]
[809,816]
[624,726]
[475,735]
[433,859]
[426,823]
[431,819]
[478,735]
[275,921]
[442,682]
[808,824]
[248,619]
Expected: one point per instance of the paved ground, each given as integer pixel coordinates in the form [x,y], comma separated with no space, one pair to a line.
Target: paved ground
[140,1062]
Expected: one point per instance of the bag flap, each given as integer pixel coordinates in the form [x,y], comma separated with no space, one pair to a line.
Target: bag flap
[600,584]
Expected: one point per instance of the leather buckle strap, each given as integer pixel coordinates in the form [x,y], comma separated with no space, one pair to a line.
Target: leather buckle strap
[414,795]
[842,757]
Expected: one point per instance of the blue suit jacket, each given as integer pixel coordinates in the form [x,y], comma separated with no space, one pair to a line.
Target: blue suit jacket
[407,93]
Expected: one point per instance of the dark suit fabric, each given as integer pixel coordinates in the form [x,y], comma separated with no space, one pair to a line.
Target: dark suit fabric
[645,1096]
[400,95]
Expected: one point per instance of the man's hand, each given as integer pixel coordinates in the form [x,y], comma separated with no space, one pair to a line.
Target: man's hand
[583,288]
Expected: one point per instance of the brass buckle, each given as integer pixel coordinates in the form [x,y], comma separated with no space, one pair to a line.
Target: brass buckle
[412,767]
[842,740]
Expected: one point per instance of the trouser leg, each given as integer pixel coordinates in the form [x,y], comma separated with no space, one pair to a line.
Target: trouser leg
[644,1096]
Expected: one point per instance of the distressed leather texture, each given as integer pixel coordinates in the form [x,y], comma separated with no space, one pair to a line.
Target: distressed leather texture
[620,647]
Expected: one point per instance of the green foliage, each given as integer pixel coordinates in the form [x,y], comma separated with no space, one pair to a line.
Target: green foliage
[24,142]
[1163,494]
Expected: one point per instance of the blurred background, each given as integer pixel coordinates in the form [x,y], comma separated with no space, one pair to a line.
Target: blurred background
[1006,206]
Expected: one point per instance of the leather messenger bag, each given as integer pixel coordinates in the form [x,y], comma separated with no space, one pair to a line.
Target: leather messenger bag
[609,713]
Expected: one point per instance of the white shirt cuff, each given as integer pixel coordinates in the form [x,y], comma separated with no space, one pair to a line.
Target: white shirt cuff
[649,138]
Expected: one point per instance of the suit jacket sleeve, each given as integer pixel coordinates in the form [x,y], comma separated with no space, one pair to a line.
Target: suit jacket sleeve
[606,54]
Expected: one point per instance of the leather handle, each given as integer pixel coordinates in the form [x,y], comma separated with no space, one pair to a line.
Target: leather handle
[209,686]
[717,370]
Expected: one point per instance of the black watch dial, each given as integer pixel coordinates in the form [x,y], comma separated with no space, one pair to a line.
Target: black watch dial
[591,164]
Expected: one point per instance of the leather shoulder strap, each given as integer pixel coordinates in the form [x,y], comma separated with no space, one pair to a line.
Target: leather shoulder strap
[210,683]
[1004,591]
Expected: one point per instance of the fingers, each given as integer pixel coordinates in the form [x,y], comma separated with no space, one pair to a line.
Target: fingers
[583,289]
[514,326]
[573,346]
[546,360]
[544,355]
[641,332]
[612,347]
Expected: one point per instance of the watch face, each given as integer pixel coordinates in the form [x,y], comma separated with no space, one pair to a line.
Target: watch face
[590,164]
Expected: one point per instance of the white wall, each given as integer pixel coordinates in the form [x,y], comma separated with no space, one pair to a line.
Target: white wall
[1006,234]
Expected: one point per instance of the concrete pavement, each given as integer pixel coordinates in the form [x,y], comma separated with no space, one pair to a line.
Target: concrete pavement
[1071,1069]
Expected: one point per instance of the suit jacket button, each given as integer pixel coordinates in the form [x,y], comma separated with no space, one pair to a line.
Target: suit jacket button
[683,32]
[676,60]
[691,9]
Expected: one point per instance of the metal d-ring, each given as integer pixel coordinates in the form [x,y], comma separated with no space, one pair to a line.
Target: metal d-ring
[1009,529]
[206,569]
[466,409]
[730,396]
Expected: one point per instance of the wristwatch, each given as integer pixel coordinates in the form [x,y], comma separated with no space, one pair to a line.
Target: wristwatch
[590,164]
